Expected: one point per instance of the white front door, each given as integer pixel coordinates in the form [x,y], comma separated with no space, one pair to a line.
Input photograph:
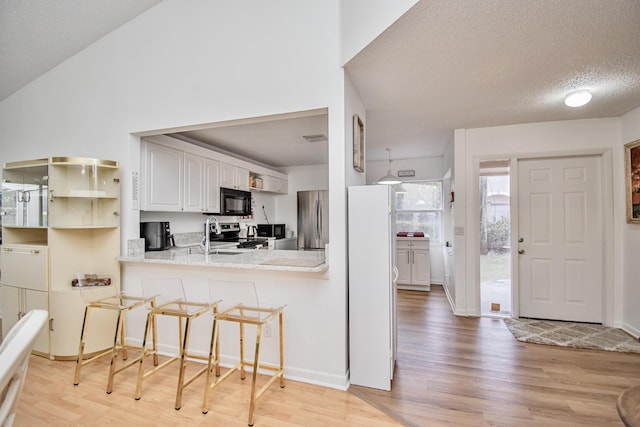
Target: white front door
[560,245]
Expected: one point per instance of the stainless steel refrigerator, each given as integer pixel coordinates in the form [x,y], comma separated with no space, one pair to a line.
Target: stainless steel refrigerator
[313,219]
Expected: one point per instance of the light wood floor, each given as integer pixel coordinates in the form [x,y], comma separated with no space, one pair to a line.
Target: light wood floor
[49,398]
[450,371]
[471,371]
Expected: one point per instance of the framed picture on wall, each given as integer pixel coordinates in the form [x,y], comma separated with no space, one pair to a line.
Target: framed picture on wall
[632,178]
[358,144]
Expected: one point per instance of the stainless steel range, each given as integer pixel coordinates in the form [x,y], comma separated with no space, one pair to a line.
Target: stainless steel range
[230,232]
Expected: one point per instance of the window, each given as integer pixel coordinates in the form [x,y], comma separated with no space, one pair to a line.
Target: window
[419,208]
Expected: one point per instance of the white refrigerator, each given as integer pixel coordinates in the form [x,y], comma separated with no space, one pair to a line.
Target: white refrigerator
[372,287]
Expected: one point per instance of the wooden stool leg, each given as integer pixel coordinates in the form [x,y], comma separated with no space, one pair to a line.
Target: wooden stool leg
[76,378]
[154,331]
[114,351]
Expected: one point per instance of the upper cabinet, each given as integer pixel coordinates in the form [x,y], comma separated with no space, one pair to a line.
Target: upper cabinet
[211,186]
[180,180]
[276,185]
[163,178]
[61,192]
[232,176]
[83,193]
[25,189]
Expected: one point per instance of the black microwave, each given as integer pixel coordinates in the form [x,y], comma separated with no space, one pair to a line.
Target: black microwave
[271,230]
[235,202]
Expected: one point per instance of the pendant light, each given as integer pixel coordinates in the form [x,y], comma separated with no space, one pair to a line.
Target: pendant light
[389,178]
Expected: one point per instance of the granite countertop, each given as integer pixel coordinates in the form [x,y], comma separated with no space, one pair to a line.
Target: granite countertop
[231,257]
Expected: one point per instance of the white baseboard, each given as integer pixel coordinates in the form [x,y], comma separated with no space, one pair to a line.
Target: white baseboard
[339,382]
[631,330]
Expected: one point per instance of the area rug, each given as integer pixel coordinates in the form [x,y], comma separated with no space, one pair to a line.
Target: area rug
[569,334]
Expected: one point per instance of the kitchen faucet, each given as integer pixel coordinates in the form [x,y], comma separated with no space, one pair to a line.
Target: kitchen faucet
[206,241]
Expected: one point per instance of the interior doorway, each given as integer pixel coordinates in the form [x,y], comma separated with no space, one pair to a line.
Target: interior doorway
[495,239]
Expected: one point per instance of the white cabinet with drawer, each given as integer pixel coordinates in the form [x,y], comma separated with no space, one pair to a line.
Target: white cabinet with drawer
[413,263]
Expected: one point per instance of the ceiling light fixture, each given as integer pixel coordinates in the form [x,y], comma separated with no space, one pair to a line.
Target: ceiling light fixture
[389,178]
[578,98]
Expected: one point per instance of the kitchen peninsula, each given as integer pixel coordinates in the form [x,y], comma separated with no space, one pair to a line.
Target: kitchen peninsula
[224,257]
[298,280]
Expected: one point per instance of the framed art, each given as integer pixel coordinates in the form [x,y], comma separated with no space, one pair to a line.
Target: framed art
[358,144]
[632,178]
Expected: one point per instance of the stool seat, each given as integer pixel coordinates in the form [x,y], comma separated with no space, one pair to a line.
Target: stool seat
[122,303]
[628,406]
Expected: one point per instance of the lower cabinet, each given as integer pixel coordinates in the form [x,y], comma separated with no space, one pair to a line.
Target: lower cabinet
[413,263]
[66,312]
[16,302]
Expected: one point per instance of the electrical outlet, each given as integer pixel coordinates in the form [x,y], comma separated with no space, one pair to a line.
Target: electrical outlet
[267,331]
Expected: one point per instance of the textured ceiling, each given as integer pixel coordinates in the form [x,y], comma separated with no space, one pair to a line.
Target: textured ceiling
[463,64]
[441,66]
[37,35]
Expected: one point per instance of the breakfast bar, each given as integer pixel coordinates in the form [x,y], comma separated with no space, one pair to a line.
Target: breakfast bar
[297,280]
[229,257]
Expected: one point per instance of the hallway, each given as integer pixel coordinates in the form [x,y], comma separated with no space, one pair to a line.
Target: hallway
[471,371]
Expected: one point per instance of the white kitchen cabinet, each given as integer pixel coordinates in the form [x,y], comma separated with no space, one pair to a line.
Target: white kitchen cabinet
[193,183]
[24,286]
[39,263]
[211,186]
[232,176]
[276,185]
[178,181]
[163,178]
[413,263]
[83,193]
[16,302]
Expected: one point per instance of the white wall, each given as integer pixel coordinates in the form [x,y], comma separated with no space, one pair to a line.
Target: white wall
[187,63]
[549,138]
[363,20]
[630,237]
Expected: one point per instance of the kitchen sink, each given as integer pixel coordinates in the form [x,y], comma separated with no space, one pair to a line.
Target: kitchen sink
[212,251]
[224,253]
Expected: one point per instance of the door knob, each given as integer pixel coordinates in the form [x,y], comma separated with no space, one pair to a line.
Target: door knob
[521,251]
[521,240]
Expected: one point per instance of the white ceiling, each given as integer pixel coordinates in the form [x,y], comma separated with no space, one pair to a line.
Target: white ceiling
[443,65]
[464,64]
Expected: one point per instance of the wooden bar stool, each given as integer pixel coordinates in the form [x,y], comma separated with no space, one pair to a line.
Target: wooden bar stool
[94,297]
[240,305]
[171,301]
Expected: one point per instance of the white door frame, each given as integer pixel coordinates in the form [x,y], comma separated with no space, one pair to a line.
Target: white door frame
[605,156]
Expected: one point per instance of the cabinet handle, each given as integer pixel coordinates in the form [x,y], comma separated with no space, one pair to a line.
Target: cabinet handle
[35,251]
[116,180]
[51,325]
[19,315]
[7,249]
[116,213]
[51,195]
